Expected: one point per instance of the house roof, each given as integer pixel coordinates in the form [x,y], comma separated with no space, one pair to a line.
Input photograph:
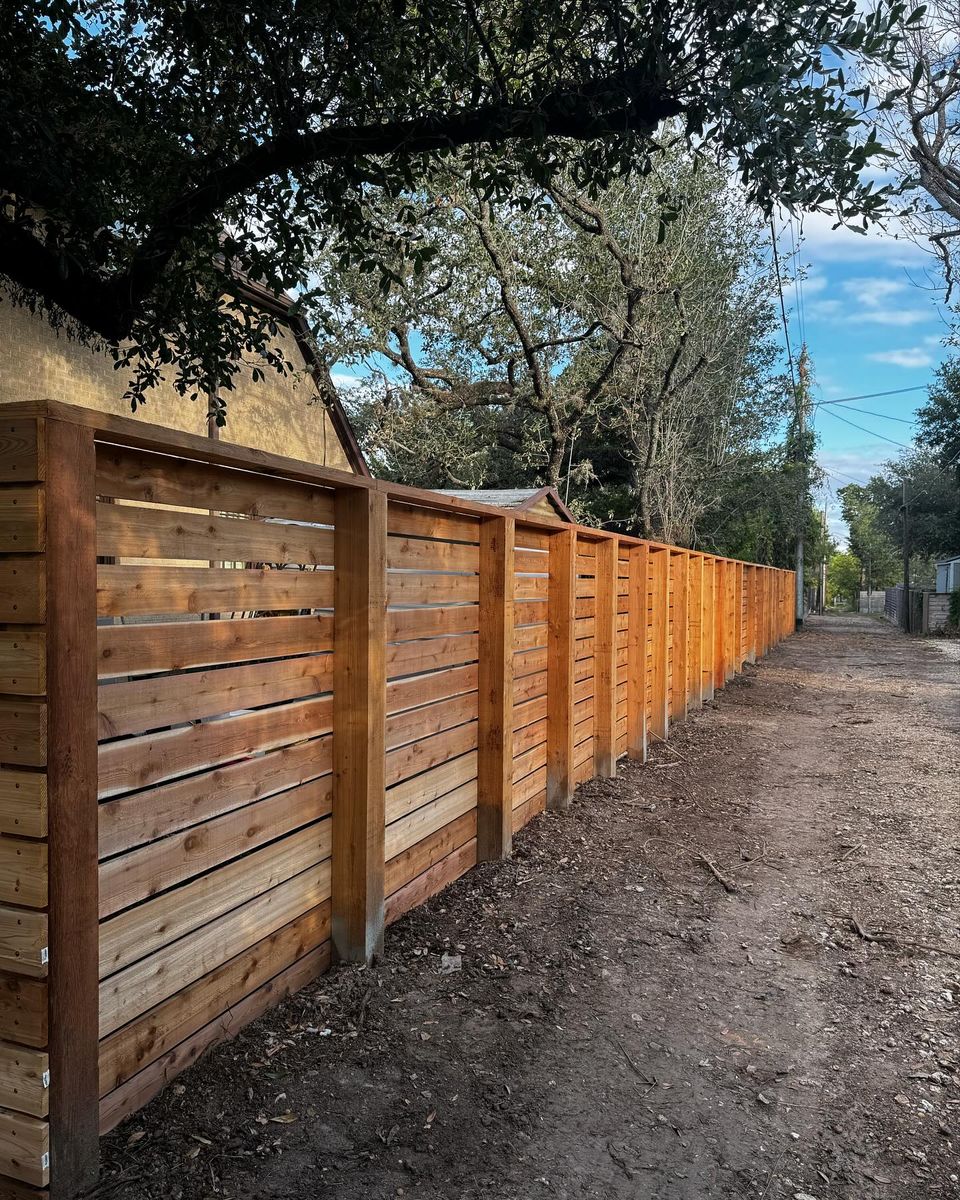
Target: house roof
[520,499]
[281,305]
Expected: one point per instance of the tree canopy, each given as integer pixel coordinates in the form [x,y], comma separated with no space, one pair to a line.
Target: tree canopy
[153,150]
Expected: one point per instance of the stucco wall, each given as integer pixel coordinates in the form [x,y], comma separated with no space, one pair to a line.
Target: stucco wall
[282,414]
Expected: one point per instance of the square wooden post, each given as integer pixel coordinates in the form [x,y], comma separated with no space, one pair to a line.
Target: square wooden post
[708,629]
[695,628]
[637,654]
[561,643]
[73,908]
[660,617]
[605,661]
[720,627]
[359,690]
[741,618]
[49,934]
[732,621]
[679,569]
[495,696]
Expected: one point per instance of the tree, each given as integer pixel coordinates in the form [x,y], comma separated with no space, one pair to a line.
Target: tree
[871,543]
[153,150]
[933,508]
[843,578]
[939,418]
[922,124]
[573,341]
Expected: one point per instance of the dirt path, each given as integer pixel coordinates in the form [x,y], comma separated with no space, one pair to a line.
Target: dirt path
[622,1026]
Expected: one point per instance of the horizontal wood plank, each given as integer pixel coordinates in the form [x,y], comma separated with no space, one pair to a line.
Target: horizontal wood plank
[158,479]
[22,524]
[143,1086]
[23,1010]
[22,450]
[149,590]
[23,589]
[23,802]
[129,821]
[24,1080]
[24,1148]
[23,941]
[127,531]
[177,646]
[154,979]
[23,872]
[141,930]
[142,704]
[138,762]
[159,865]
[23,732]
[23,662]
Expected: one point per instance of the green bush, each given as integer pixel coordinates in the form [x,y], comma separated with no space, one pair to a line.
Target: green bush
[955,608]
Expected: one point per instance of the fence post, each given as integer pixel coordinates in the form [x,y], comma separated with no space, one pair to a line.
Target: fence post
[660,617]
[359,689]
[637,654]
[73,908]
[695,627]
[605,661]
[679,568]
[561,644]
[495,697]
[49,936]
[708,619]
[720,622]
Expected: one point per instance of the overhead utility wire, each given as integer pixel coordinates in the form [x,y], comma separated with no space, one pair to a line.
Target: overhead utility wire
[920,387]
[873,433]
[783,307]
[883,416]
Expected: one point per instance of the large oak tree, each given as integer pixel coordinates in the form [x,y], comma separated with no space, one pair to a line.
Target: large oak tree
[152,148]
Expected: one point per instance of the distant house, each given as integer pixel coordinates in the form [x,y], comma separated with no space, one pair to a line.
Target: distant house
[298,415]
[541,502]
[948,574]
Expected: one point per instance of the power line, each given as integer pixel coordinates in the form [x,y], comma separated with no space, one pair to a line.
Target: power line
[883,416]
[920,387]
[873,433]
[783,307]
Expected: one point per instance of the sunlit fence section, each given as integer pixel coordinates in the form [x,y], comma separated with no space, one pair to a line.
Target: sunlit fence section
[254,710]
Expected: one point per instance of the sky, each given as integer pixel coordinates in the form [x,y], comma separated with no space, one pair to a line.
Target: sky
[869,311]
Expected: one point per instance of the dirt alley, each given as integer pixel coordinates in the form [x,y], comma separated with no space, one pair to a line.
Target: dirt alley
[617,1024]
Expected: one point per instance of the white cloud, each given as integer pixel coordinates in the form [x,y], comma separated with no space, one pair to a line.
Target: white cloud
[912,357]
[344,381]
[883,247]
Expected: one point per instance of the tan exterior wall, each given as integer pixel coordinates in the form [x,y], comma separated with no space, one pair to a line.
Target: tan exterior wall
[542,508]
[282,414]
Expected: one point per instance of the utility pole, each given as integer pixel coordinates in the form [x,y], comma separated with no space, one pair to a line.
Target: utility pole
[823,564]
[905,610]
[800,401]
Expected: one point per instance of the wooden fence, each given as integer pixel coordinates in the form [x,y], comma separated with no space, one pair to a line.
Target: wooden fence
[254,710]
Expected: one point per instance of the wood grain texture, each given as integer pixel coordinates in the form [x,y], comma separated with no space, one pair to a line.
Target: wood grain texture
[143,1086]
[23,662]
[128,531]
[560,658]
[496,691]
[157,479]
[22,450]
[23,731]
[23,872]
[605,661]
[24,1148]
[22,524]
[72,802]
[660,634]
[637,653]
[152,590]
[24,1080]
[23,589]
[23,1010]
[137,649]
[679,568]
[359,731]
[24,941]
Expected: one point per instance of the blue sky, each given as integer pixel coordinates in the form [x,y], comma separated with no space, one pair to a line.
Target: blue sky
[869,309]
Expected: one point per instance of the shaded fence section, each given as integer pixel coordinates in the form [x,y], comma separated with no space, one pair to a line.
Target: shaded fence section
[254,710]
